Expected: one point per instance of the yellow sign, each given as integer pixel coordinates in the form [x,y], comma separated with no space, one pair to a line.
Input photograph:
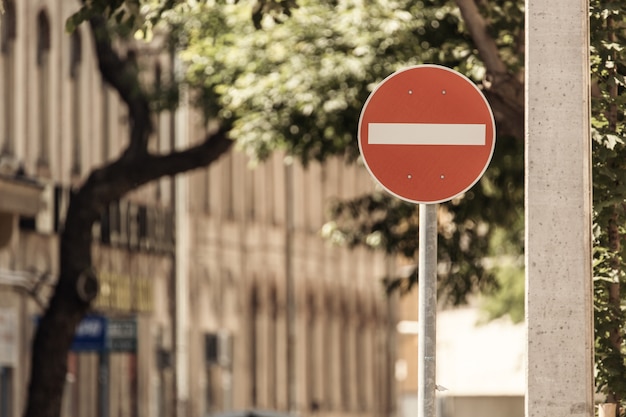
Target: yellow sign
[124,293]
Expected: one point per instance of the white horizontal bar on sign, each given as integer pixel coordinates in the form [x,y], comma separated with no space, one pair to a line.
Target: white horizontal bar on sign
[425,134]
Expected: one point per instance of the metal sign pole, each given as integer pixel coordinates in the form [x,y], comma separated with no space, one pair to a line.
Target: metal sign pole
[427,286]
[395,134]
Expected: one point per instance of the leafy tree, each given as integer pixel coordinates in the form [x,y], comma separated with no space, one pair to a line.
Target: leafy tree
[608,67]
[301,81]
[303,84]
[276,74]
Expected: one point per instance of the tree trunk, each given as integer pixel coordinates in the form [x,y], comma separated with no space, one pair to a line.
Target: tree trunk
[77,284]
[504,90]
[75,289]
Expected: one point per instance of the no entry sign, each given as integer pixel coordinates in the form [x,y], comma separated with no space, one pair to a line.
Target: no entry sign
[426,134]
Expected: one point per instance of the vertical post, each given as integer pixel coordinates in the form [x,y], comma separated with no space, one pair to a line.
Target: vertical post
[427,299]
[290,288]
[558,210]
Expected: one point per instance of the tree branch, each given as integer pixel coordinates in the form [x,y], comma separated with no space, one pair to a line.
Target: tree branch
[123,75]
[477,28]
[504,91]
[111,182]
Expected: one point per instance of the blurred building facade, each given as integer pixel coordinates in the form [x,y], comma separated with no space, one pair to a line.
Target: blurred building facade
[480,364]
[217,292]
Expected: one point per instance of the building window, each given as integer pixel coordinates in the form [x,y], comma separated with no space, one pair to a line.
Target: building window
[329,357]
[8,28]
[311,363]
[76,104]
[8,31]
[211,346]
[6,391]
[345,353]
[254,344]
[43,87]
[272,350]
[361,363]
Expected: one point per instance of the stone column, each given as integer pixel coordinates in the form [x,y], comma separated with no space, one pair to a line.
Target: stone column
[558,210]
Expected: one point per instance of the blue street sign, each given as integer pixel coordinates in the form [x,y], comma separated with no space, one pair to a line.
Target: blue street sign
[91,334]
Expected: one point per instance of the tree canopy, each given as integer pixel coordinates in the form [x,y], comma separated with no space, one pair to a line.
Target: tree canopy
[298,82]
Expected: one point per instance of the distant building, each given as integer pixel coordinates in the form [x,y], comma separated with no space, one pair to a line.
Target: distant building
[243,264]
[480,366]
[209,282]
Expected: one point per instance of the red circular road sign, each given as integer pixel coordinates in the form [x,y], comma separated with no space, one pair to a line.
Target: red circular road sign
[426,134]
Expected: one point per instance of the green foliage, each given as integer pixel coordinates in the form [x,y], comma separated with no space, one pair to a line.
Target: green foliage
[299,83]
[608,65]
[122,11]
[609,318]
[510,297]
[129,16]
[509,276]
[506,27]
[486,223]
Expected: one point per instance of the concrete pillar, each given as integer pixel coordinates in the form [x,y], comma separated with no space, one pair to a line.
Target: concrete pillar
[558,210]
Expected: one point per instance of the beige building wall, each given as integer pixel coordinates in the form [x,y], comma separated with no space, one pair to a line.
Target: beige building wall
[58,120]
[406,365]
[238,288]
